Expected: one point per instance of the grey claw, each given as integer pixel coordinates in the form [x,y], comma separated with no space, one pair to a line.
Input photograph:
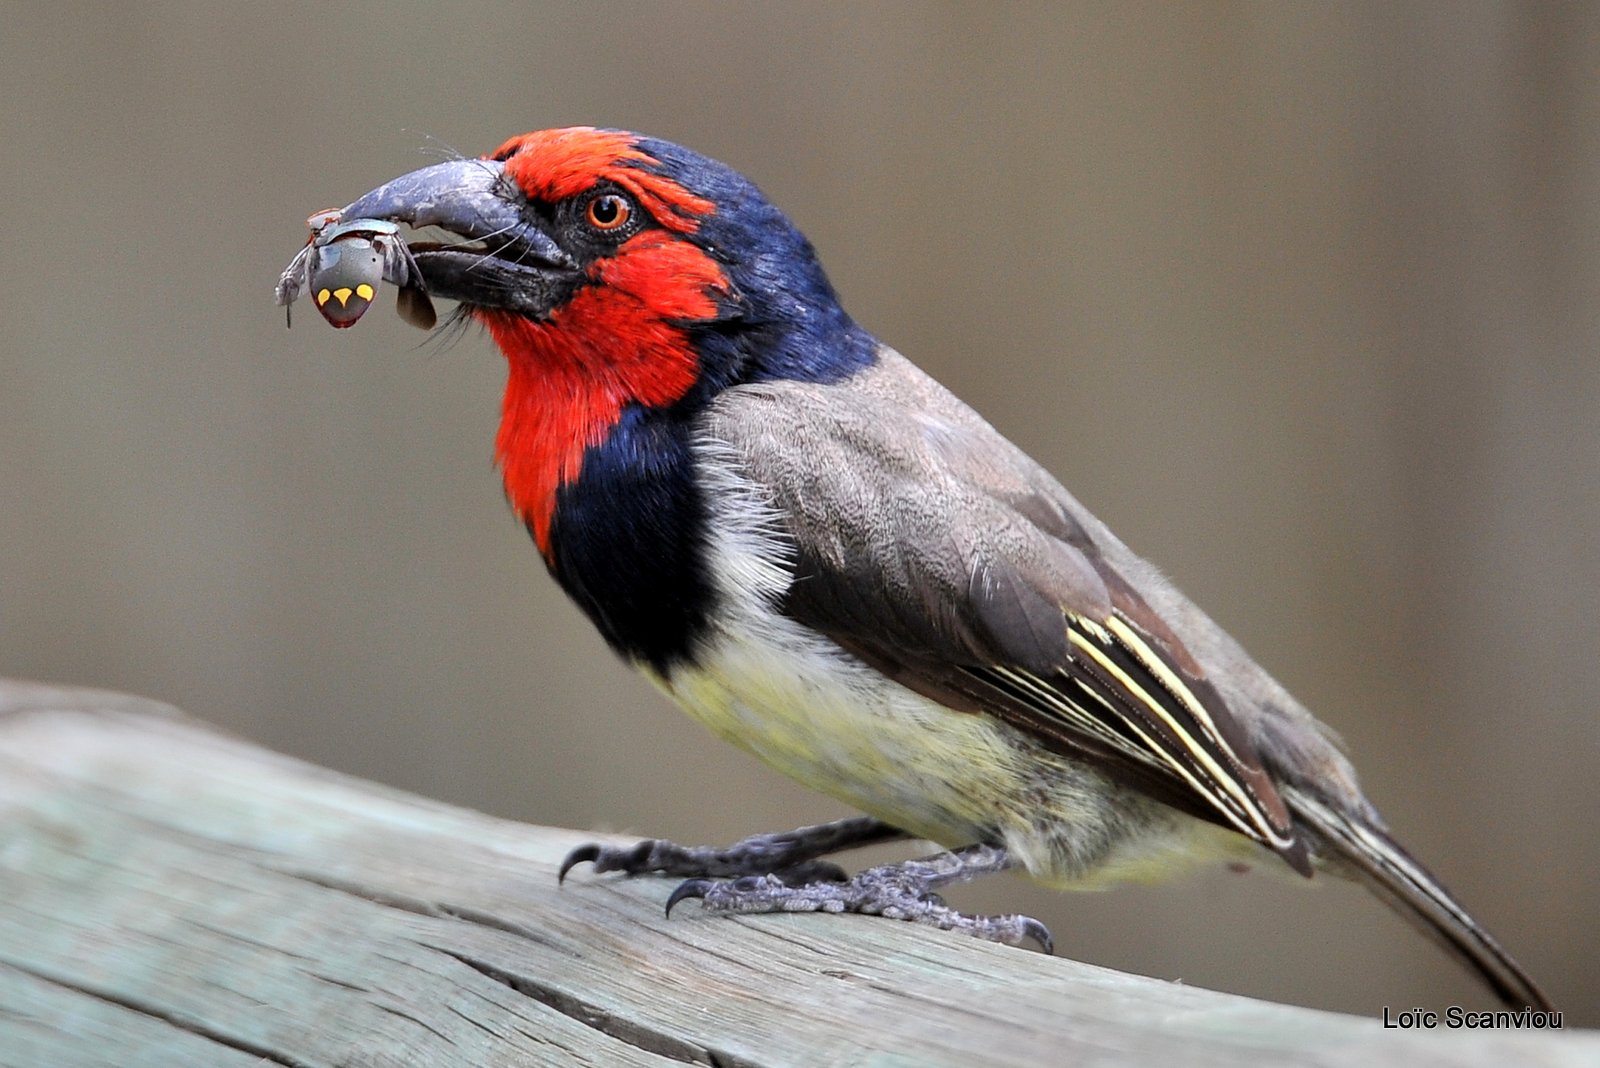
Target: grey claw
[1037,931]
[688,888]
[588,853]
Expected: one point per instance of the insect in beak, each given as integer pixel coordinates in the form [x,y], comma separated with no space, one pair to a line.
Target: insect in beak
[344,262]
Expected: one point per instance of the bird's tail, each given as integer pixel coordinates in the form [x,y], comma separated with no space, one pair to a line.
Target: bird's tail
[1407,887]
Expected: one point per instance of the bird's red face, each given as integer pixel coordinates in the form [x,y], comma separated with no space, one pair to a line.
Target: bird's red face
[628,281]
[579,258]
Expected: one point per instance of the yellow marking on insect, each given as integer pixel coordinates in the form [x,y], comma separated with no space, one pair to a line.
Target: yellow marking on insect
[1229,785]
[343,293]
[322,297]
[364,291]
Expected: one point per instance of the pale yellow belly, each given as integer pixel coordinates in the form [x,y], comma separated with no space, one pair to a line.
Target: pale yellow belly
[833,723]
[837,726]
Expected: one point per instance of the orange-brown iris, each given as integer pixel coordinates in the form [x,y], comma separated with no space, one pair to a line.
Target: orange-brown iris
[608,211]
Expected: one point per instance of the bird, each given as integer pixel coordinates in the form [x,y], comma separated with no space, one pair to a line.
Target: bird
[830,561]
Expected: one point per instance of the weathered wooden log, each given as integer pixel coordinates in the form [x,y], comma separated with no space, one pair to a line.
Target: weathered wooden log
[171,896]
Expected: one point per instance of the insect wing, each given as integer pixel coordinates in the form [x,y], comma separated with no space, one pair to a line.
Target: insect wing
[413,304]
[411,301]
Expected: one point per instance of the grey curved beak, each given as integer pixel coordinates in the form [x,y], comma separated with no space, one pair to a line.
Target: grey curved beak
[459,195]
[505,260]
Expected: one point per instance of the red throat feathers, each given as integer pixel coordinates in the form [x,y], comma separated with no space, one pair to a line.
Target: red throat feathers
[618,340]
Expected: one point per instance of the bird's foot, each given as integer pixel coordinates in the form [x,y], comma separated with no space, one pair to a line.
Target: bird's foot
[902,891]
[792,855]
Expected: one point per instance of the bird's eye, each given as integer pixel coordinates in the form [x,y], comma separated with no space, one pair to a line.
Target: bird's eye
[609,211]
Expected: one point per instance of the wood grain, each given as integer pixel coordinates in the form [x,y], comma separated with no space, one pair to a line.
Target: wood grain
[171,896]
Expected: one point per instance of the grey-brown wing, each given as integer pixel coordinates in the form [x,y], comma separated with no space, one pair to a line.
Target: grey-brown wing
[929,546]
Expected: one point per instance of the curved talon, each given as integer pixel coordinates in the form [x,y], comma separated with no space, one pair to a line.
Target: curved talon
[588,852]
[1037,931]
[688,888]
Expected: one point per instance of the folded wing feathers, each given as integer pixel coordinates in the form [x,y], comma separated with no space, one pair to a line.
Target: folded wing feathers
[1118,691]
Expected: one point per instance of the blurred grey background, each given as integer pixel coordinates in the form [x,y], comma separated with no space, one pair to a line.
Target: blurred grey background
[1300,298]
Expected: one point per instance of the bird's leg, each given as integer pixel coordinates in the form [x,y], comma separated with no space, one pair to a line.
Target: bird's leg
[791,856]
[902,891]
